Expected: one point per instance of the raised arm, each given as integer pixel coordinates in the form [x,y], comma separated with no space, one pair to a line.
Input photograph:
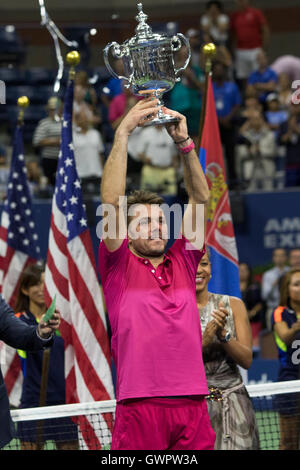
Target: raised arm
[194,181]
[113,183]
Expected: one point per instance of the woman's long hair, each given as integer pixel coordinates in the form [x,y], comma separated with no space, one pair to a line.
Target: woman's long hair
[31,276]
[284,287]
[250,274]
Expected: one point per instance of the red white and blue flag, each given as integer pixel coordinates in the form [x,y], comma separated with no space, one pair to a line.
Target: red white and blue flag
[220,236]
[71,275]
[19,247]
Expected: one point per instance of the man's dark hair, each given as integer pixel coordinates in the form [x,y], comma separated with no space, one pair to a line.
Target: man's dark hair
[217,4]
[140,196]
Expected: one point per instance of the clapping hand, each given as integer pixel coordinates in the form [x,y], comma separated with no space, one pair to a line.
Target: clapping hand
[217,325]
[219,317]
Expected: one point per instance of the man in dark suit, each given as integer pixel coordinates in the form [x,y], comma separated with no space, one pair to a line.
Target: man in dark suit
[17,334]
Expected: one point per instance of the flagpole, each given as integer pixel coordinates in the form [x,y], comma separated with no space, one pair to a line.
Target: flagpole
[23,103]
[209,51]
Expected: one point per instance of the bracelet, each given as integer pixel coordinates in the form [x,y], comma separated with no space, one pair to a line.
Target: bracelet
[187,149]
[182,141]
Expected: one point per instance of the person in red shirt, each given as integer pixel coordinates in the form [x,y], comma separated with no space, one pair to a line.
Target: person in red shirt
[251,33]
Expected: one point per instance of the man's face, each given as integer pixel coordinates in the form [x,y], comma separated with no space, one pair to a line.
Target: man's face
[256,122]
[218,72]
[262,60]
[147,230]
[294,259]
[214,11]
[279,257]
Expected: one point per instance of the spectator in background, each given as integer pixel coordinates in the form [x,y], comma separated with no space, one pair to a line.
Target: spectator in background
[264,79]
[186,96]
[30,308]
[274,114]
[286,327]
[4,172]
[194,37]
[228,101]
[284,90]
[294,258]
[270,284]
[88,153]
[250,33]
[38,183]
[215,24]
[293,262]
[159,156]
[118,108]
[90,95]
[46,138]
[80,104]
[251,296]
[289,137]
[256,152]
[251,106]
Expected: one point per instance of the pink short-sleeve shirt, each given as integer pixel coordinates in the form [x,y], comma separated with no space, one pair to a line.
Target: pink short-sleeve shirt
[156,334]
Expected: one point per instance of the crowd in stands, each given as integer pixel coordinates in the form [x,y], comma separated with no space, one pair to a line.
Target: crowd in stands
[261,293]
[257,108]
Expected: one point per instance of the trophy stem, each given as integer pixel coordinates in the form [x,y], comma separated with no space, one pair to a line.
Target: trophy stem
[161,118]
[158,96]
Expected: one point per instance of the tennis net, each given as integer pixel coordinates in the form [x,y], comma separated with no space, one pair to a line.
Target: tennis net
[87,426]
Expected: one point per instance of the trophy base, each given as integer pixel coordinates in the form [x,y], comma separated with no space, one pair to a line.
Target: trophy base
[162,120]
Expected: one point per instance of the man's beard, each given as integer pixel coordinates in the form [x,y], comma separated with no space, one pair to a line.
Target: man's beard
[150,252]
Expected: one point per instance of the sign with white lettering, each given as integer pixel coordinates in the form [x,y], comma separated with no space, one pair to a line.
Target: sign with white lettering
[272,220]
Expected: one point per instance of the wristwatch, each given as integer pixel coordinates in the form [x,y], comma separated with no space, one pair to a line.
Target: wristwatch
[226,338]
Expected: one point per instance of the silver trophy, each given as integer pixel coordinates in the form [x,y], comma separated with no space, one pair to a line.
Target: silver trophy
[149,62]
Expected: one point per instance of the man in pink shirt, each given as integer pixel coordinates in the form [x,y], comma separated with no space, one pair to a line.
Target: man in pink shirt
[151,301]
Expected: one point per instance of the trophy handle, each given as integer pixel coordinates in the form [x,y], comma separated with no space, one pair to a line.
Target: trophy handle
[118,53]
[176,39]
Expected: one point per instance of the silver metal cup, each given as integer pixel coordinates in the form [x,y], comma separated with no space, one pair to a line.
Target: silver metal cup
[148,60]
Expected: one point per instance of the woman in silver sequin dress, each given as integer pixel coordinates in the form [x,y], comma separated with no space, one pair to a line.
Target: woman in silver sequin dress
[224,349]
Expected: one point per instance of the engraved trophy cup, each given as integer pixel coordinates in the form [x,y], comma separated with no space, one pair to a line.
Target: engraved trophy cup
[148,61]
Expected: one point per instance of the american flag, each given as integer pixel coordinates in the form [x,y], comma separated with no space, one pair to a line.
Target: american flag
[19,247]
[71,275]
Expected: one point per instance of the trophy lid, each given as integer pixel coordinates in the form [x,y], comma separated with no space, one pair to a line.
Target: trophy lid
[143,30]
